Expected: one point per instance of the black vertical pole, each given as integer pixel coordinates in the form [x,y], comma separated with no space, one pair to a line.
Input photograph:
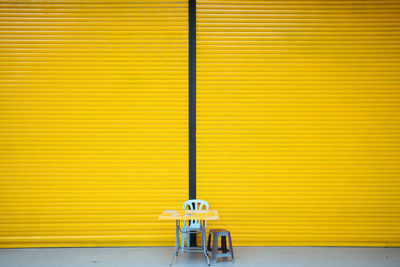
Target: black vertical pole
[192,106]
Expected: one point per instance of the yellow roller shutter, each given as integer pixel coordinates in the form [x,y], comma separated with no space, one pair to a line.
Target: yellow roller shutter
[93,132]
[299,120]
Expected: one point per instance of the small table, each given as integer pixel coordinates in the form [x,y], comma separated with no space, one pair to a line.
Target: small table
[202,215]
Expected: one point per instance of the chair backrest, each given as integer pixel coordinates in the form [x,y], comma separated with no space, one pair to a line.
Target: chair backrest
[195,204]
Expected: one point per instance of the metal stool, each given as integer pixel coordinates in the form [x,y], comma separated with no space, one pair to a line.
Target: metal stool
[216,233]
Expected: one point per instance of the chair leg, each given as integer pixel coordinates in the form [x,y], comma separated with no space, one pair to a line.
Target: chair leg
[230,246]
[188,239]
[183,242]
[214,248]
[209,242]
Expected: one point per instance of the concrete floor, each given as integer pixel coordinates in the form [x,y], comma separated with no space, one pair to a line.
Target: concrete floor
[245,257]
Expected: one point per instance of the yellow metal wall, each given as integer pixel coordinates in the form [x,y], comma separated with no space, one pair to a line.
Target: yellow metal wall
[298,120]
[93,121]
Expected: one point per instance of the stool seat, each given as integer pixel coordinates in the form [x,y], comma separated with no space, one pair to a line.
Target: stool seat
[218,230]
[216,234]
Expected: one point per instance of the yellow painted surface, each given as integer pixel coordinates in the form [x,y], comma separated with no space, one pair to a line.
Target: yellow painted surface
[299,120]
[93,121]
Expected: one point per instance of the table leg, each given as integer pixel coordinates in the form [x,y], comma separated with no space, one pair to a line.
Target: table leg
[178,228]
[203,241]
[176,242]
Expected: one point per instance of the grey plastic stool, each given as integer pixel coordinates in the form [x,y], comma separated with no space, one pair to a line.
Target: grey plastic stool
[216,234]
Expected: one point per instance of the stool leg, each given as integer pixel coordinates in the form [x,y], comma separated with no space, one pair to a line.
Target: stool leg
[209,242]
[223,244]
[214,248]
[230,246]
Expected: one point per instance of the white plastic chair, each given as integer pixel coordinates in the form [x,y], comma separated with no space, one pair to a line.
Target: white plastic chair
[192,226]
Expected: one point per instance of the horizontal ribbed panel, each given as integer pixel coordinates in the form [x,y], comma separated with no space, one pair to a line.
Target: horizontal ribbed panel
[298,120]
[93,121]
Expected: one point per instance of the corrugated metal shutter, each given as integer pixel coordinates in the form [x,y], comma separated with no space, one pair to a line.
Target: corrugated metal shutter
[298,120]
[93,121]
